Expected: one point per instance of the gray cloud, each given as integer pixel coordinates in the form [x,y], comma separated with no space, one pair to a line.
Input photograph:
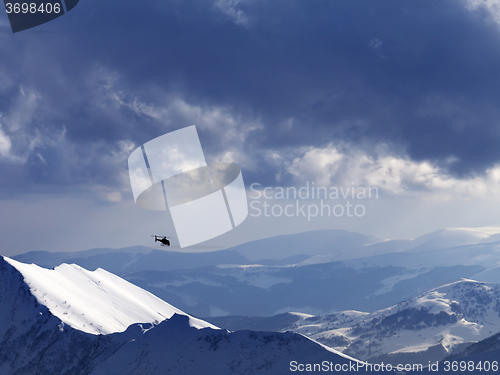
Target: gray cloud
[258,78]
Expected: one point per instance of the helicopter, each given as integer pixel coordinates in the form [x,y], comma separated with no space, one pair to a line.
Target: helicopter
[163,239]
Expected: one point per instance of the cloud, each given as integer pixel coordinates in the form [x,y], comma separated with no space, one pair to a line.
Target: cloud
[223,129]
[394,175]
[400,95]
[55,150]
[115,196]
[315,164]
[375,43]
[22,109]
[297,77]
[492,7]
[230,8]
[16,142]
[5,144]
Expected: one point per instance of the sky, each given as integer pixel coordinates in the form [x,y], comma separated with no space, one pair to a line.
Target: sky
[399,96]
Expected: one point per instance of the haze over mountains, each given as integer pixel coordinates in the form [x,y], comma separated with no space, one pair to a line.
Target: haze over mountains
[320,246]
[299,272]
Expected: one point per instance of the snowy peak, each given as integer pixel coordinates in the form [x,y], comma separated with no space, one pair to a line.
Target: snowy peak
[441,320]
[95,302]
[34,340]
[470,299]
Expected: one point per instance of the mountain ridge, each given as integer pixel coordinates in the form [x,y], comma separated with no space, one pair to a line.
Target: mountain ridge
[94,302]
[35,341]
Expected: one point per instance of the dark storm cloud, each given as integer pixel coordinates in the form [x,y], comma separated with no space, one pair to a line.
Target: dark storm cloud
[420,76]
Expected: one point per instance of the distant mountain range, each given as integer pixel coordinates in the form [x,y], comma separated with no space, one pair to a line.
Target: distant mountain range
[229,282]
[322,246]
[274,251]
[133,259]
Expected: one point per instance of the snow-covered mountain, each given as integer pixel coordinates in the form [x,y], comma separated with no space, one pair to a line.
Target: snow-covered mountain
[96,302]
[113,327]
[448,316]
[429,327]
[34,341]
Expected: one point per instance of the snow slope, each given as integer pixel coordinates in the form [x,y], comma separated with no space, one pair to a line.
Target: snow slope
[429,327]
[449,316]
[95,302]
[33,340]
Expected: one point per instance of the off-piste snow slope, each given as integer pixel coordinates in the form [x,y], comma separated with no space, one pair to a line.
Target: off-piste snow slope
[95,302]
[71,321]
[430,326]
